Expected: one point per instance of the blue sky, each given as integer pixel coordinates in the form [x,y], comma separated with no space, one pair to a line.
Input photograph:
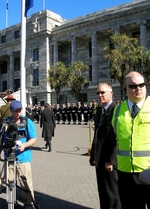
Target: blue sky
[67,9]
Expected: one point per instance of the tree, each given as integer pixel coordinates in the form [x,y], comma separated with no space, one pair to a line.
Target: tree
[57,77]
[146,65]
[125,55]
[78,79]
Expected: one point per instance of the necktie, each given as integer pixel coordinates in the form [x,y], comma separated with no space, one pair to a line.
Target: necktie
[134,110]
[102,114]
[103,111]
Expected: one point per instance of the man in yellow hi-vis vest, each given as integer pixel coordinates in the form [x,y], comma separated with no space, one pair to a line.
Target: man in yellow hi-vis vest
[131,128]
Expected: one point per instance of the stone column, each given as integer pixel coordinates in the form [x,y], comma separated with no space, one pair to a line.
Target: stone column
[94,60]
[143,34]
[55,52]
[11,72]
[73,50]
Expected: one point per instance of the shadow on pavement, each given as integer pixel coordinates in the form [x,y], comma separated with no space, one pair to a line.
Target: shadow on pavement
[47,202]
[74,152]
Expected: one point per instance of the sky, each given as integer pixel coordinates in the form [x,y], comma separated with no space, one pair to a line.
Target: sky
[67,9]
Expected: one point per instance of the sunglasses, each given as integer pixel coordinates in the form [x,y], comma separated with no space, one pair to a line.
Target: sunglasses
[101,92]
[134,86]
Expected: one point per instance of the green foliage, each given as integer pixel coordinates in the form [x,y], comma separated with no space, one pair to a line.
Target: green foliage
[146,65]
[57,76]
[75,77]
[125,55]
[78,78]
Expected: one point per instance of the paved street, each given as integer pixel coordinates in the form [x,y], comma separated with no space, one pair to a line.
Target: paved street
[63,178]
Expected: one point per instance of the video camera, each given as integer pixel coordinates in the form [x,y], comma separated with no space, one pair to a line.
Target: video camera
[14,133]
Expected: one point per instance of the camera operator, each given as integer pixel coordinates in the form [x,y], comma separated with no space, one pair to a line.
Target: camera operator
[23,153]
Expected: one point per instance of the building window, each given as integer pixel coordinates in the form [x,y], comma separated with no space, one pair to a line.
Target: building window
[35,55]
[3,39]
[59,53]
[52,54]
[3,67]
[136,35]
[36,77]
[16,84]
[17,34]
[16,64]
[90,72]
[70,53]
[90,49]
[4,85]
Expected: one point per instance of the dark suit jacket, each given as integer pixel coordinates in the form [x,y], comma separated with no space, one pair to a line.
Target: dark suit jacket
[101,145]
[47,121]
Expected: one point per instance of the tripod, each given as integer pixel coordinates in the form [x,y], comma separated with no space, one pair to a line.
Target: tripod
[11,183]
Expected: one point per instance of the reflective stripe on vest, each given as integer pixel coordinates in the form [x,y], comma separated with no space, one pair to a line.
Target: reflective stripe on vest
[135,153]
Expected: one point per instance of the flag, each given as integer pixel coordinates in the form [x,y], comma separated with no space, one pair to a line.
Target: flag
[28,5]
[7,4]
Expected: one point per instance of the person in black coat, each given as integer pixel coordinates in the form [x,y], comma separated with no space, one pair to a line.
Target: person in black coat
[48,124]
[86,113]
[68,110]
[58,113]
[63,113]
[79,112]
[107,181]
[74,112]
[37,113]
[29,112]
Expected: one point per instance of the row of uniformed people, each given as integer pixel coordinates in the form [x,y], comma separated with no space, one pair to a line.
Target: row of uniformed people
[74,113]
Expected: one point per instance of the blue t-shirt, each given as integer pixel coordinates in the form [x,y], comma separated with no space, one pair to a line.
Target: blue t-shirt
[26,155]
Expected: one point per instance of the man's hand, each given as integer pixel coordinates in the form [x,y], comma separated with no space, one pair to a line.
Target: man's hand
[21,148]
[92,163]
[108,167]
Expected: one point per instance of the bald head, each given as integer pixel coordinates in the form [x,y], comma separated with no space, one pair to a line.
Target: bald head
[135,86]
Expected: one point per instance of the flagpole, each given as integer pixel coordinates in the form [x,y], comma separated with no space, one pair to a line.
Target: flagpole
[6,13]
[22,55]
[43,4]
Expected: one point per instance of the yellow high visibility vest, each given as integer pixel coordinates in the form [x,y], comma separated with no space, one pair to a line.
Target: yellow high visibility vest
[133,137]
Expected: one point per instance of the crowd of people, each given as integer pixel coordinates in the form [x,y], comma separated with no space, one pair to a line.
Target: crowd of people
[120,150]
[66,114]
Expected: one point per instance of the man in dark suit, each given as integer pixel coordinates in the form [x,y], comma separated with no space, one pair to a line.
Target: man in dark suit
[106,181]
[47,121]
[79,112]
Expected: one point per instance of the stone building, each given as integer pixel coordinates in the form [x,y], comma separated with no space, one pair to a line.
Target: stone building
[50,38]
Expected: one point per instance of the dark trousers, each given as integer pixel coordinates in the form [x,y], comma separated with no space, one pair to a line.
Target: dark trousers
[74,117]
[132,195]
[108,188]
[69,117]
[79,117]
[85,118]
[48,142]
[58,117]
[64,117]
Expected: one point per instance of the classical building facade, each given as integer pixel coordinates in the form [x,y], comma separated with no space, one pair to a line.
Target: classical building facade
[50,39]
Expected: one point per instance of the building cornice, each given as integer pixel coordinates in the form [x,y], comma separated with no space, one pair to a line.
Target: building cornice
[102,16]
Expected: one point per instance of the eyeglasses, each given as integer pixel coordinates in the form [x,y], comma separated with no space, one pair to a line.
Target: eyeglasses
[134,86]
[101,92]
